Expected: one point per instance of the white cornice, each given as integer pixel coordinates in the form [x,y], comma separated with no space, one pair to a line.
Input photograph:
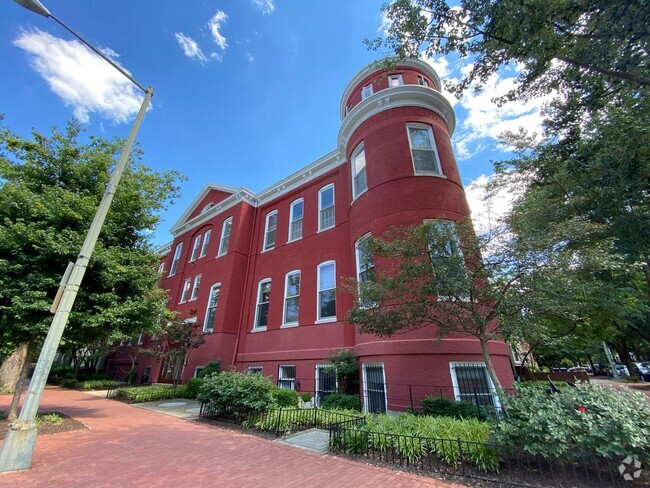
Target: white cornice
[199,198]
[163,250]
[399,96]
[381,66]
[300,177]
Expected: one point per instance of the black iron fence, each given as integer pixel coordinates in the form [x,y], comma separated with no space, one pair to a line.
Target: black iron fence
[490,462]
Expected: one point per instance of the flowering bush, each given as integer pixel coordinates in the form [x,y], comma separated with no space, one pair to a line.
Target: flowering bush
[584,422]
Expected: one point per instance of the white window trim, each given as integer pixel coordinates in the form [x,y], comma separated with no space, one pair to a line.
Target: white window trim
[141,339]
[266,230]
[366,88]
[223,230]
[177,257]
[320,192]
[454,379]
[432,138]
[358,262]
[360,147]
[295,373]
[422,81]
[161,268]
[207,310]
[325,320]
[187,284]
[296,202]
[195,288]
[257,304]
[399,78]
[196,371]
[317,382]
[255,369]
[206,241]
[195,248]
[284,302]
[365,384]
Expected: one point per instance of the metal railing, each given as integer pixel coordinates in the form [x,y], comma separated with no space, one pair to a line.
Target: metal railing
[507,465]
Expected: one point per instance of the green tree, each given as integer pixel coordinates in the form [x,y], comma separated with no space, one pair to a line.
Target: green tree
[50,188]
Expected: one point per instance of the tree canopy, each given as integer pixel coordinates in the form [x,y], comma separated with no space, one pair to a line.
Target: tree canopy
[50,188]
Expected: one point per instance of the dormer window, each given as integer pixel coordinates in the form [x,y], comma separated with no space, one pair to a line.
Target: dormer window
[366,91]
[422,81]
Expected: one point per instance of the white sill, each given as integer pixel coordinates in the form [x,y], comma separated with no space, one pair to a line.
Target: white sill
[294,240]
[435,175]
[269,249]
[326,320]
[259,329]
[209,331]
[289,326]
[221,255]
[181,302]
[202,256]
[193,299]
[326,228]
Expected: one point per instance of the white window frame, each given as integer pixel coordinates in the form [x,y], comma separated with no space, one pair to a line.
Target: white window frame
[453,245]
[206,241]
[319,319]
[300,201]
[432,139]
[186,290]
[255,369]
[161,268]
[422,81]
[317,385]
[473,364]
[224,241]
[195,288]
[397,78]
[141,339]
[177,257]
[364,379]
[357,255]
[320,207]
[357,151]
[195,248]
[286,289]
[366,91]
[209,329]
[258,303]
[198,370]
[281,376]
[265,246]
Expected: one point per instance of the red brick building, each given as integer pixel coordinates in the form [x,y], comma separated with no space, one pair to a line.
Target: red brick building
[263,271]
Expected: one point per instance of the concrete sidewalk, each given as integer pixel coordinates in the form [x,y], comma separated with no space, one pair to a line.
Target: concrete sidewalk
[127,446]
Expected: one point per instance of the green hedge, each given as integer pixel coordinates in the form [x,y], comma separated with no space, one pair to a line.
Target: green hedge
[416,443]
[447,407]
[240,392]
[193,388]
[285,398]
[98,384]
[339,401]
[142,394]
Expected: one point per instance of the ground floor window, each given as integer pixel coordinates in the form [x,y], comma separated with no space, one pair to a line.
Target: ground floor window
[198,371]
[325,382]
[287,377]
[374,388]
[255,369]
[146,374]
[472,384]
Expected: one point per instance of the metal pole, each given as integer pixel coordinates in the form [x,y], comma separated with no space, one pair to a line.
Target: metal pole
[18,446]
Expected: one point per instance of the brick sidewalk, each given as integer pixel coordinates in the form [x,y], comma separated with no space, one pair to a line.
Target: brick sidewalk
[127,446]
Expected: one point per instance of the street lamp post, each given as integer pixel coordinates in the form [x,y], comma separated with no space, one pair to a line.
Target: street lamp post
[18,446]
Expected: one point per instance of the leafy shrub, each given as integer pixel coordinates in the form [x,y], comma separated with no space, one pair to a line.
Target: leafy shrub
[237,392]
[51,418]
[69,383]
[140,394]
[446,407]
[341,402]
[305,396]
[98,384]
[6,389]
[213,366]
[580,423]
[285,398]
[193,387]
[289,419]
[95,377]
[413,439]
[3,415]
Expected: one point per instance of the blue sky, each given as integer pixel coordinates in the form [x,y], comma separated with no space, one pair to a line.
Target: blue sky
[246,91]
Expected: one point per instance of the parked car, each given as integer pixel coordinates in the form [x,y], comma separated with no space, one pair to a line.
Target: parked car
[643,370]
[621,371]
[579,369]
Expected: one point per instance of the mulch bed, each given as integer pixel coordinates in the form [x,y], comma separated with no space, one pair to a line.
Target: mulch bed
[46,427]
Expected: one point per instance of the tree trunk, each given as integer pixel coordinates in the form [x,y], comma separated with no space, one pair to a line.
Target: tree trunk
[18,391]
[490,369]
[12,366]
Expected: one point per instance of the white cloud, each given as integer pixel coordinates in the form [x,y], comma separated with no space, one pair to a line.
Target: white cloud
[80,78]
[190,48]
[266,6]
[484,119]
[250,58]
[215,23]
[441,66]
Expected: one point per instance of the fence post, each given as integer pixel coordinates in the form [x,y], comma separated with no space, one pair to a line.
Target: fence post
[313,423]
[478,405]
[411,397]
[277,425]
[460,456]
